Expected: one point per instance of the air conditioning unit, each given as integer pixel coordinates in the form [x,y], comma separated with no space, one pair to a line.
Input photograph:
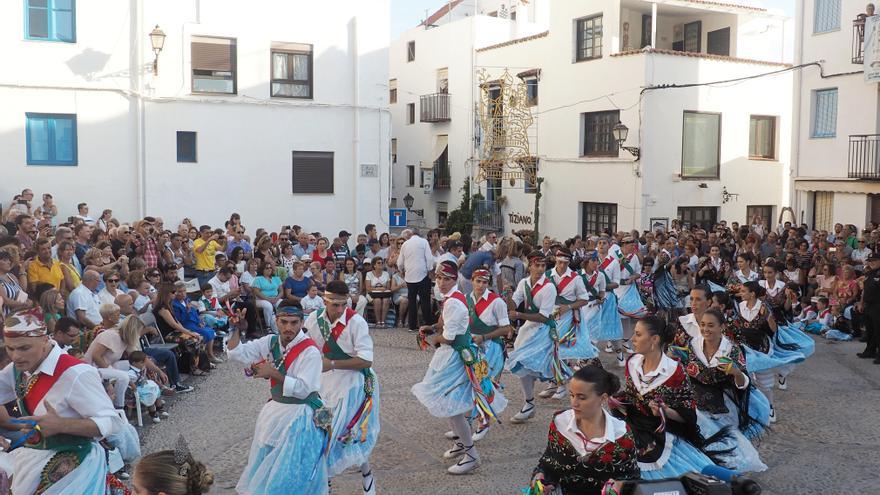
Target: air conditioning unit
[676,177]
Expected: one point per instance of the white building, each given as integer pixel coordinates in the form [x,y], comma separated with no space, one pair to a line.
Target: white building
[836,161]
[586,65]
[276,110]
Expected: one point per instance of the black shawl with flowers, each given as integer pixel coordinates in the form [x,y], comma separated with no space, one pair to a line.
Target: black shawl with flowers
[563,467]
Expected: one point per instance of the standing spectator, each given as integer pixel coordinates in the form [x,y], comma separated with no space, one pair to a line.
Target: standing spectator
[26,231]
[238,240]
[205,248]
[344,235]
[43,269]
[370,230]
[870,306]
[103,222]
[83,305]
[399,298]
[491,242]
[82,233]
[48,208]
[415,262]
[83,214]
[860,255]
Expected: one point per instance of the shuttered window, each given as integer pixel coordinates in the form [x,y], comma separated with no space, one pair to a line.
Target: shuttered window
[51,139]
[827,16]
[824,113]
[50,20]
[312,172]
[213,65]
[762,137]
[392,91]
[597,218]
[823,210]
[588,38]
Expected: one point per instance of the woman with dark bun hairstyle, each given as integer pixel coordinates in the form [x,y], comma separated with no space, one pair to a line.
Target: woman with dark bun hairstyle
[171,472]
[587,447]
[658,405]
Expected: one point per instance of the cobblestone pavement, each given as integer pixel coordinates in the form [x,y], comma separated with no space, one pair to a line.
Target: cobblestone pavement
[824,443]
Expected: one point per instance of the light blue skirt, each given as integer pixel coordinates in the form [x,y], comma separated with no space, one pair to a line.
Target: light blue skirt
[347,452]
[446,390]
[759,410]
[608,326]
[683,458]
[631,304]
[582,348]
[815,328]
[837,335]
[291,464]
[715,287]
[494,354]
[743,457]
[127,442]
[777,359]
[534,357]
[793,334]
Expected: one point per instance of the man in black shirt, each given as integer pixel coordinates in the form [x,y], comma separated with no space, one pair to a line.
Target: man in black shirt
[870,305]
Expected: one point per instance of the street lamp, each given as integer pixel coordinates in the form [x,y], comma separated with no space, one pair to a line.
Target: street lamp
[620,132]
[157,40]
[408,202]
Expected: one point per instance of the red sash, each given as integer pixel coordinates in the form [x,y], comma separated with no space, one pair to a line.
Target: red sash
[457,295]
[45,382]
[482,304]
[593,279]
[563,283]
[294,353]
[336,331]
[607,261]
[825,313]
[537,288]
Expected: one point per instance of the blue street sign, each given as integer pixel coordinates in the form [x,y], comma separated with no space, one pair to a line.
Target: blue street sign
[397,217]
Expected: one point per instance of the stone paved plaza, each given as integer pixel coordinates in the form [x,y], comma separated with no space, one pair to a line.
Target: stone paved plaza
[824,443]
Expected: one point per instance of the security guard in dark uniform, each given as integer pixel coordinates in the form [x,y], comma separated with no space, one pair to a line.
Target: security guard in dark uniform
[870,305]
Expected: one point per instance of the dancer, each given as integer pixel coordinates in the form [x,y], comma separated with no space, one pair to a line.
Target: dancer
[348,386]
[458,375]
[287,453]
[571,296]
[592,311]
[725,398]
[587,448]
[65,411]
[610,329]
[658,405]
[689,324]
[630,305]
[536,348]
[743,274]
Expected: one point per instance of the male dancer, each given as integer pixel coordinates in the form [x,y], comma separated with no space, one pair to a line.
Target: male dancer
[348,385]
[65,411]
[610,329]
[630,271]
[287,453]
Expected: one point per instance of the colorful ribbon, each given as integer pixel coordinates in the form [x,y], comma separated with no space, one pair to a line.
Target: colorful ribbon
[361,419]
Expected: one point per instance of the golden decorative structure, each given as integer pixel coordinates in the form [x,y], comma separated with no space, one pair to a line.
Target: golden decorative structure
[505,117]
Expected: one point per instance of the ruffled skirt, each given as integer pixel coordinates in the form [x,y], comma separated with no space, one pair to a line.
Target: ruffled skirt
[679,457]
[582,347]
[127,442]
[793,334]
[743,457]
[608,326]
[343,392]
[285,455]
[777,359]
[89,478]
[533,355]
[446,390]
[631,304]
[494,354]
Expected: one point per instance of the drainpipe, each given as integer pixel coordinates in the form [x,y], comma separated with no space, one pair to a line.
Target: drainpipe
[355,145]
[140,117]
[795,158]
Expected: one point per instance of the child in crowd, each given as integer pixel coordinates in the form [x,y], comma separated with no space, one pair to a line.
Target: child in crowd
[312,301]
[148,391]
[210,310]
[820,319]
[143,303]
[808,310]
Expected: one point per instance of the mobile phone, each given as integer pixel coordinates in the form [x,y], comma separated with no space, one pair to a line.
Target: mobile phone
[832,250]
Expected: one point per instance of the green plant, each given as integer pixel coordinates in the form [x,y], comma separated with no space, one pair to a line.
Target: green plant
[462,218]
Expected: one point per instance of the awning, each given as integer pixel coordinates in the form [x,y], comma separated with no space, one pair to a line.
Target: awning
[440,145]
[841,186]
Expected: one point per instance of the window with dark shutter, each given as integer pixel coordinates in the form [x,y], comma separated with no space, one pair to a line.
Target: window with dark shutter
[186,147]
[213,65]
[312,172]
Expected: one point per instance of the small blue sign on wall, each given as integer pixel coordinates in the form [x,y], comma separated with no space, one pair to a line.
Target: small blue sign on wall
[397,217]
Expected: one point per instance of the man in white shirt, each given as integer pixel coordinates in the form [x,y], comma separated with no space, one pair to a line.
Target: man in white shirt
[491,242]
[83,214]
[415,261]
[84,305]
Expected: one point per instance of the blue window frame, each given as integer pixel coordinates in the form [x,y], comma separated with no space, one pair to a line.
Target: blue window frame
[50,20]
[824,113]
[51,139]
[186,147]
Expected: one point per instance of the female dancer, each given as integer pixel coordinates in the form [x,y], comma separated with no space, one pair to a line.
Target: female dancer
[458,375]
[658,405]
[611,329]
[725,398]
[587,447]
[744,272]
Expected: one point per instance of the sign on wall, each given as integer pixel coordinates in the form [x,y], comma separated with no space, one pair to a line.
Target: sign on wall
[872,49]
[397,217]
[369,170]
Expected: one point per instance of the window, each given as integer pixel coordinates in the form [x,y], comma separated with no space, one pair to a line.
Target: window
[762,137]
[718,42]
[443,80]
[588,38]
[703,216]
[292,70]
[393,151]
[824,113]
[422,178]
[598,139]
[442,213]
[597,218]
[531,91]
[493,189]
[700,145]
[410,51]
[513,15]
[312,172]
[392,91]
[213,65]
[186,147]
[410,175]
[50,20]
[530,170]
[494,13]
[693,36]
[827,16]
[410,113]
[51,139]
[763,211]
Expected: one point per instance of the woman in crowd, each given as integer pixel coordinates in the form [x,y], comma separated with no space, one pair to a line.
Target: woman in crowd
[266,291]
[171,472]
[587,448]
[320,276]
[378,285]
[744,272]
[296,286]
[287,257]
[52,304]
[186,313]
[72,277]
[322,252]
[399,297]
[14,297]
[354,279]
[725,398]
[384,245]
[658,405]
[826,280]
[191,343]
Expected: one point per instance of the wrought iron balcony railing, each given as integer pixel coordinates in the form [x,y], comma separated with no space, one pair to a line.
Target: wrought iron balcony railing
[864,157]
[434,108]
[442,177]
[488,215]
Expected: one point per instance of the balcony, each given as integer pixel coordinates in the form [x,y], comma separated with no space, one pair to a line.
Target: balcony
[864,157]
[434,108]
[858,40]
[442,177]
[487,215]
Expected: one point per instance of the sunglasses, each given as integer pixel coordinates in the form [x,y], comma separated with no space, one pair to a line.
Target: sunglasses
[113,281]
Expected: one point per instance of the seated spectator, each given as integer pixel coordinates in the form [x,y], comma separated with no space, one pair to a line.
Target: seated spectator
[186,312]
[44,269]
[67,332]
[70,266]
[266,291]
[399,297]
[287,258]
[297,285]
[210,311]
[111,290]
[147,390]
[106,350]
[354,279]
[378,283]
[13,296]
[52,305]
[318,276]
[302,247]
[322,252]
[84,303]
[191,343]
[312,301]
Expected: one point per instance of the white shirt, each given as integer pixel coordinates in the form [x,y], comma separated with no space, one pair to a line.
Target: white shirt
[664,370]
[772,291]
[455,316]
[354,340]
[107,298]
[303,376]
[690,324]
[712,361]
[415,259]
[634,263]
[750,314]
[82,298]
[221,289]
[496,314]
[574,290]
[566,424]
[310,304]
[545,299]
[612,271]
[753,275]
[487,246]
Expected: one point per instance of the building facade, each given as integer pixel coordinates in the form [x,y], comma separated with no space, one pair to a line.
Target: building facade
[836,164]
[688,79]
[282,118]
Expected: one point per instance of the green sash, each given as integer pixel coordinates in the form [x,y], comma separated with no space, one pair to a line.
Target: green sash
[336,352]
[478,326]
[592,290]
[313,400]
